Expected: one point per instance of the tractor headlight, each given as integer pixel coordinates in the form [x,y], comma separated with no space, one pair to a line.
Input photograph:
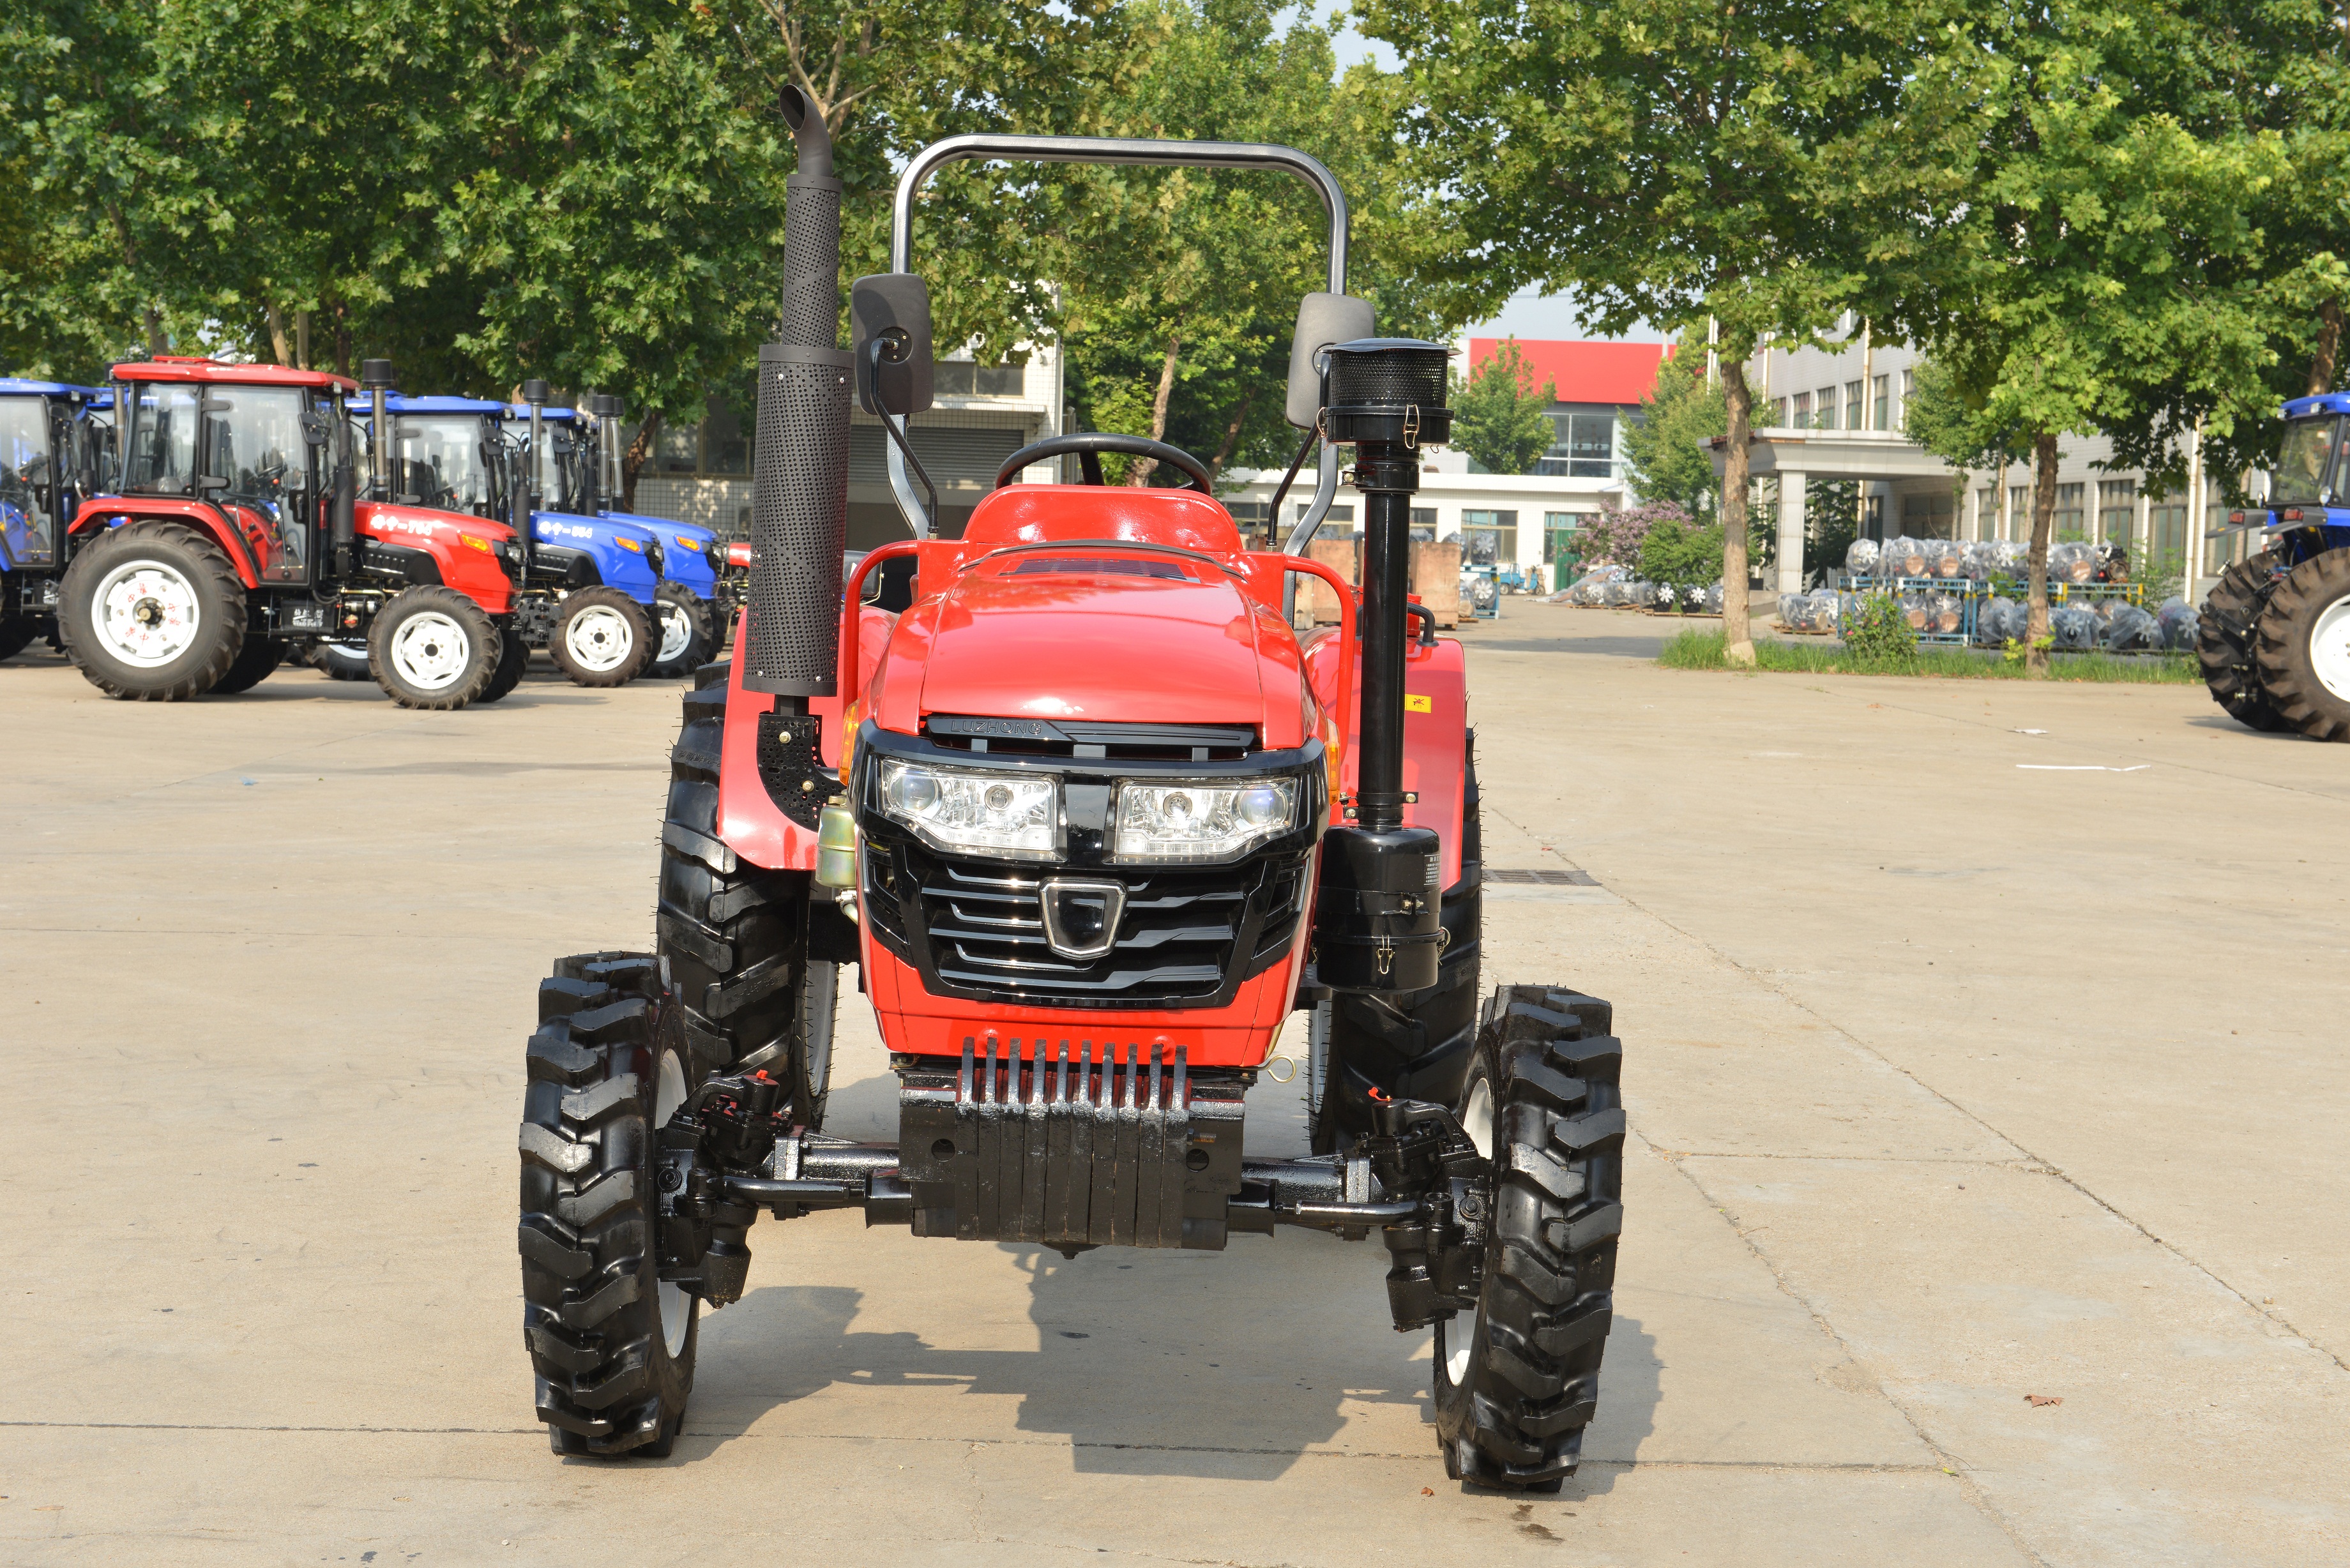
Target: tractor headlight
[1202,821]
[1013,816]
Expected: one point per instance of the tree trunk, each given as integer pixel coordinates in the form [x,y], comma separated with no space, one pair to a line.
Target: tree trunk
[2044,517]
[633,461]
[156,342]
[2329,345]
[1139,474]
[1737,637]
[342,336]
[302,339]
[1232,435]
[277,344]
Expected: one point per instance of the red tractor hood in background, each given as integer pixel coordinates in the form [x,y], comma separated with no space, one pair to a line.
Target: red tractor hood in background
[1109,647]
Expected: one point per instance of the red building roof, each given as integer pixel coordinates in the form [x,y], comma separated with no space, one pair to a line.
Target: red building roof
[1585,372]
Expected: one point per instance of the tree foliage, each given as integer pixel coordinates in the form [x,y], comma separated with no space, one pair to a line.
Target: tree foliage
[1499,412]
[1670,446]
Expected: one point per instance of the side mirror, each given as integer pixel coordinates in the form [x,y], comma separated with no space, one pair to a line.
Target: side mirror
[1323,320]
[892,311]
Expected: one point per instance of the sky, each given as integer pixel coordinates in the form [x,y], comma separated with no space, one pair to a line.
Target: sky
[1527,315]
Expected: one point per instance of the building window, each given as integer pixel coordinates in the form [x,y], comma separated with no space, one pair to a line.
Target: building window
[1489,538]
[961,379]
[1825,408]
[1987,513]
[2068,523]
[2166,528]
[1591,446]
[1853,417]
[1883,396]
[1909,390]
[1803,415]
[679,448]
[1929,517]
[1335,513]
[2117,510]
[1779,412]
[1252,518]
[1423,523]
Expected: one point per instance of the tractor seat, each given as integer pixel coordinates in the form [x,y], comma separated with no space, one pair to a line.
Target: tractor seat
[1039,514]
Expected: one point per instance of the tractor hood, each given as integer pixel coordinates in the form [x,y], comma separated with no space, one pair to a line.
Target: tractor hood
[1032,639]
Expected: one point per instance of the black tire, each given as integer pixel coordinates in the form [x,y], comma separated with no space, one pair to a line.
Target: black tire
[255,662]
[601,638]
[514,659]
[2304,647]
[341,660]
[17,629]
[685,635]
[1415,1046]
[432,648]
[613,1372]
[733,935]
[2225,640]
[199,567]
[1516,1384]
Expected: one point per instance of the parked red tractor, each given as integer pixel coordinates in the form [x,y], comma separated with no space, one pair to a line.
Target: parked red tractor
[1092,820]
[235,534]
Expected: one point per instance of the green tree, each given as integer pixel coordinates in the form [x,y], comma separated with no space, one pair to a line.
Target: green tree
[1670,446]
[1499,412]
[2108,272]
[1672,161]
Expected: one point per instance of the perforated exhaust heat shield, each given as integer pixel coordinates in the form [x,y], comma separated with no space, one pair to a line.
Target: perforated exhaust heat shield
[799,494]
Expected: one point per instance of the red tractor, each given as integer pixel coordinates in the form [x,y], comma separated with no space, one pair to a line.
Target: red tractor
[1092,820]
[235,536]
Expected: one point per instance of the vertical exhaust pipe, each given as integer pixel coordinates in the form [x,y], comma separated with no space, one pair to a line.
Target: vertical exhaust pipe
[375,379]
[799,477]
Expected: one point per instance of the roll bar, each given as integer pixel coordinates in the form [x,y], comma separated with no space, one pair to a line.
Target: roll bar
[1118,149]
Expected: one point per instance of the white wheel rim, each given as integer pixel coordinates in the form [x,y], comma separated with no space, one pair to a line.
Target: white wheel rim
[600,639]
[146,614]
[1477,1118]
[430,652]
[677,630]
[676,1308]
[1456,1355]
[2329,649]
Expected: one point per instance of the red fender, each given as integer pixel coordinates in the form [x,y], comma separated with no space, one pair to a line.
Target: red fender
[95,516]
[464,547]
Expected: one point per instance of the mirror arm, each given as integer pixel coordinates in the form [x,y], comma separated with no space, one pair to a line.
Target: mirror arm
[900,454]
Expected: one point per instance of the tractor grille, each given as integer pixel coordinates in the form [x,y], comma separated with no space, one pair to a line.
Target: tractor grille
[1186,937]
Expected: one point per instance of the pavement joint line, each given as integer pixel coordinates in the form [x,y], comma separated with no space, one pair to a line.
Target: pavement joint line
[2027,1166]
[1765,979]
[1950,1461]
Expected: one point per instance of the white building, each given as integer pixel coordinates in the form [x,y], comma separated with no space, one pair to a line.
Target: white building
[1837,414]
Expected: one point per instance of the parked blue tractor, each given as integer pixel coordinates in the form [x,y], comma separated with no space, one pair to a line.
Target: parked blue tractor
[54,440]
[2275,635]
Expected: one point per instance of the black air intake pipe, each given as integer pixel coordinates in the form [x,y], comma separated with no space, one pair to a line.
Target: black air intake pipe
[799,484]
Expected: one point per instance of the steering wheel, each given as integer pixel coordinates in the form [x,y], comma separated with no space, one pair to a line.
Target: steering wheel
[1091,444]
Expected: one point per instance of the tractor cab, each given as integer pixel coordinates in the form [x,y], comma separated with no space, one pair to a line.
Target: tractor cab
[2307,509]
[52,455]
[692,558]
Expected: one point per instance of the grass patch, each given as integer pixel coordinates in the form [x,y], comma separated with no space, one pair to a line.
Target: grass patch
[1697,650]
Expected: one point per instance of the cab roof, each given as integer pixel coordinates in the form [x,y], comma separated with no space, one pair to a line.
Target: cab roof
[400,403]
[2326,403]
[18,387]
[190,368]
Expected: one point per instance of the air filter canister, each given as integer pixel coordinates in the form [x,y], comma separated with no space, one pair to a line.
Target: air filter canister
[1386,390]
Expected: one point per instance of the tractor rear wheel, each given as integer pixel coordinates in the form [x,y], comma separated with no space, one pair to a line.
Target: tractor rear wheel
[2304,649]
[611,1345]
[514,660]
[151,612]
[686,631]
[341,660]
[734,936]
[255,662]
[1416,1045]
[2225,639]
[601,638]
[432,648]
[1517,1381]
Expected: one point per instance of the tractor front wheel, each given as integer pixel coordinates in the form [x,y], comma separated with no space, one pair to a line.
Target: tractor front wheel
[611,1343]
[2225,639]
[687,631]
[432,648]
[151,612]
[255,662]
[2304,652]
[341,660]
[1517,1381]
[601,638]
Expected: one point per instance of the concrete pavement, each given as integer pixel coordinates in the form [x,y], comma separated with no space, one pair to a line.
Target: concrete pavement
[1954,1079]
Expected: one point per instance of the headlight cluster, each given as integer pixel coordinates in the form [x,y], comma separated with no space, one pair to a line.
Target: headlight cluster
[1018,816]
[1010,815]
[1203,821]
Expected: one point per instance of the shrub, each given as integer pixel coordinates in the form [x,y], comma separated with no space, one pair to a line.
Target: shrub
[1879,633]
